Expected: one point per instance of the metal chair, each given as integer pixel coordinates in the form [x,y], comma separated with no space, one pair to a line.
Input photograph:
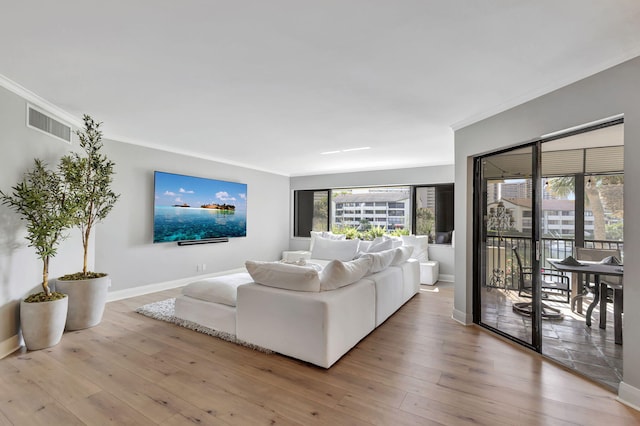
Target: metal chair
[549,282]
[586,285]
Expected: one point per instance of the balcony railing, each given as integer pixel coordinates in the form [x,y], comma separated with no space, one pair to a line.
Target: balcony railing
[501,265]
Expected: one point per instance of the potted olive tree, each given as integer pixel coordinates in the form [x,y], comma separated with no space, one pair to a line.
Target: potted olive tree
[89,179]
[41,200]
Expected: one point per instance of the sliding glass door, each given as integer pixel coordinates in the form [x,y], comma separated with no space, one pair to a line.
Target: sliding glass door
[507,291]
[548,200]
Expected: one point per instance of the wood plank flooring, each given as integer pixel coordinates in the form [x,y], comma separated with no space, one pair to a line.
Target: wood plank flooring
[419,368]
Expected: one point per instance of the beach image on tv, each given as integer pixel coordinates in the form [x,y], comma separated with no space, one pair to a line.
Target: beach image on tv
[194,208]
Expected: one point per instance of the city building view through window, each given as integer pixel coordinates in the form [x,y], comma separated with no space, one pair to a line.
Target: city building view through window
[373,211]
[366,208]
[603,208]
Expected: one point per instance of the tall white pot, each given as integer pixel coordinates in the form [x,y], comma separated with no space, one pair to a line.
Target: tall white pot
[87,299]
[43,322]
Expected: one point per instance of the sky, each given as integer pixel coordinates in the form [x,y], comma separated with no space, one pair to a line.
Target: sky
[173,189]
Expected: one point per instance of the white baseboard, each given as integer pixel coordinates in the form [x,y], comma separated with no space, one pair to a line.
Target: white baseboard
[461,317]
[167,285]
[9,345]
[447,278]
[628,395]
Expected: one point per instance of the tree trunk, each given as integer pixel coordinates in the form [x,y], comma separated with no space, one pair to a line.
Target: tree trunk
[85,246]
[595,203]
[45,276]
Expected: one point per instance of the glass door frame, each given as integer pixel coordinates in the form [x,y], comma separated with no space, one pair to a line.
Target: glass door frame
[479,239]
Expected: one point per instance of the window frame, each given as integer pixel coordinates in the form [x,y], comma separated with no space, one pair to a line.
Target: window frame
[412,213]
[438,229]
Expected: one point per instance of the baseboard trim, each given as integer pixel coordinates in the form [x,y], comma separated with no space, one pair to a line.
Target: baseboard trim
[447,278]
[166,285]
[629,395]
[462,317]
[9,346]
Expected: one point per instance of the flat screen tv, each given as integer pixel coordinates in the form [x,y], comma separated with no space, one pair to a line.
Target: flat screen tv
[189,208]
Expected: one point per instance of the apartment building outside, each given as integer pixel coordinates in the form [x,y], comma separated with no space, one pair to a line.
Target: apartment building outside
[557,221]
[390,209]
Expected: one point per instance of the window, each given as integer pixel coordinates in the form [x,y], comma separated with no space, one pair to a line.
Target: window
[372,207]
[422,210]
[433,214]
[311,212]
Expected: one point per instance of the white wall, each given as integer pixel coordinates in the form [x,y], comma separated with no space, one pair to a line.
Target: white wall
[445,255]
[123,242]
[409,176]
[124,245]
[20,270]
[605,94]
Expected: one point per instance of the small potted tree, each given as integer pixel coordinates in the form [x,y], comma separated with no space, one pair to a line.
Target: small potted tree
[89,179]
[41,200]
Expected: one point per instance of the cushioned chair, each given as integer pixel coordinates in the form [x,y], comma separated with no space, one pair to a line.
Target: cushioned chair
[551,282]
[587,286]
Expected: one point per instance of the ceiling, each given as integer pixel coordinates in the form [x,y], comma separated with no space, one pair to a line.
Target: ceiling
[594,151]
[273,84]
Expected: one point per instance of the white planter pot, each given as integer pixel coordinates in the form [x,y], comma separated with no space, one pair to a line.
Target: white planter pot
[43,323]
[86,301]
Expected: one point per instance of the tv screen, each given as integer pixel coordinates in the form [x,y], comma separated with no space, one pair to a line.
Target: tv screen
[195,208]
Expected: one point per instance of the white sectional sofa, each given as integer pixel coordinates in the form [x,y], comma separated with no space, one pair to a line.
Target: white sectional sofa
[321,327]
[318,327]
[303,319]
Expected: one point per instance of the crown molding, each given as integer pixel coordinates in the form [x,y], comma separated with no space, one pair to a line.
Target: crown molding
[188,153]
[39,101]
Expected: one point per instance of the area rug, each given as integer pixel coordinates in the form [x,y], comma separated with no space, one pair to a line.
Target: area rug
[164,310]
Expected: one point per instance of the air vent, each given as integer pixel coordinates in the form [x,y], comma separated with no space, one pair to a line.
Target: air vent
[37,119]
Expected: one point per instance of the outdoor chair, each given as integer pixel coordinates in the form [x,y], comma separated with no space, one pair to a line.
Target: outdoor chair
[550,282]
[586,284]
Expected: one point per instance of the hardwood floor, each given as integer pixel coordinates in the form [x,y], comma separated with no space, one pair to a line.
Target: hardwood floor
[419,367]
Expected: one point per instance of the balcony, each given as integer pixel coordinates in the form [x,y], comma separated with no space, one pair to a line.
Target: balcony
[592,351]
[551,248]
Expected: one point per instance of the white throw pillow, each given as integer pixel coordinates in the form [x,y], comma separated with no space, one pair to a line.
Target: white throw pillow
[339,274]
[380,260]
[403,253]
[284,275]
[397,241]
[335,249]
[325,234]
[364,246]
[377,246]
[420,246]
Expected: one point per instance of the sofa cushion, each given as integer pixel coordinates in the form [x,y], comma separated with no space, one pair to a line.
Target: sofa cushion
[339,274]
[344,250]
[402,254]
[364,246]
[326,235]
[420,246]
[223,289]
[284,275]
[397,241]
[380,244]
[380,260]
